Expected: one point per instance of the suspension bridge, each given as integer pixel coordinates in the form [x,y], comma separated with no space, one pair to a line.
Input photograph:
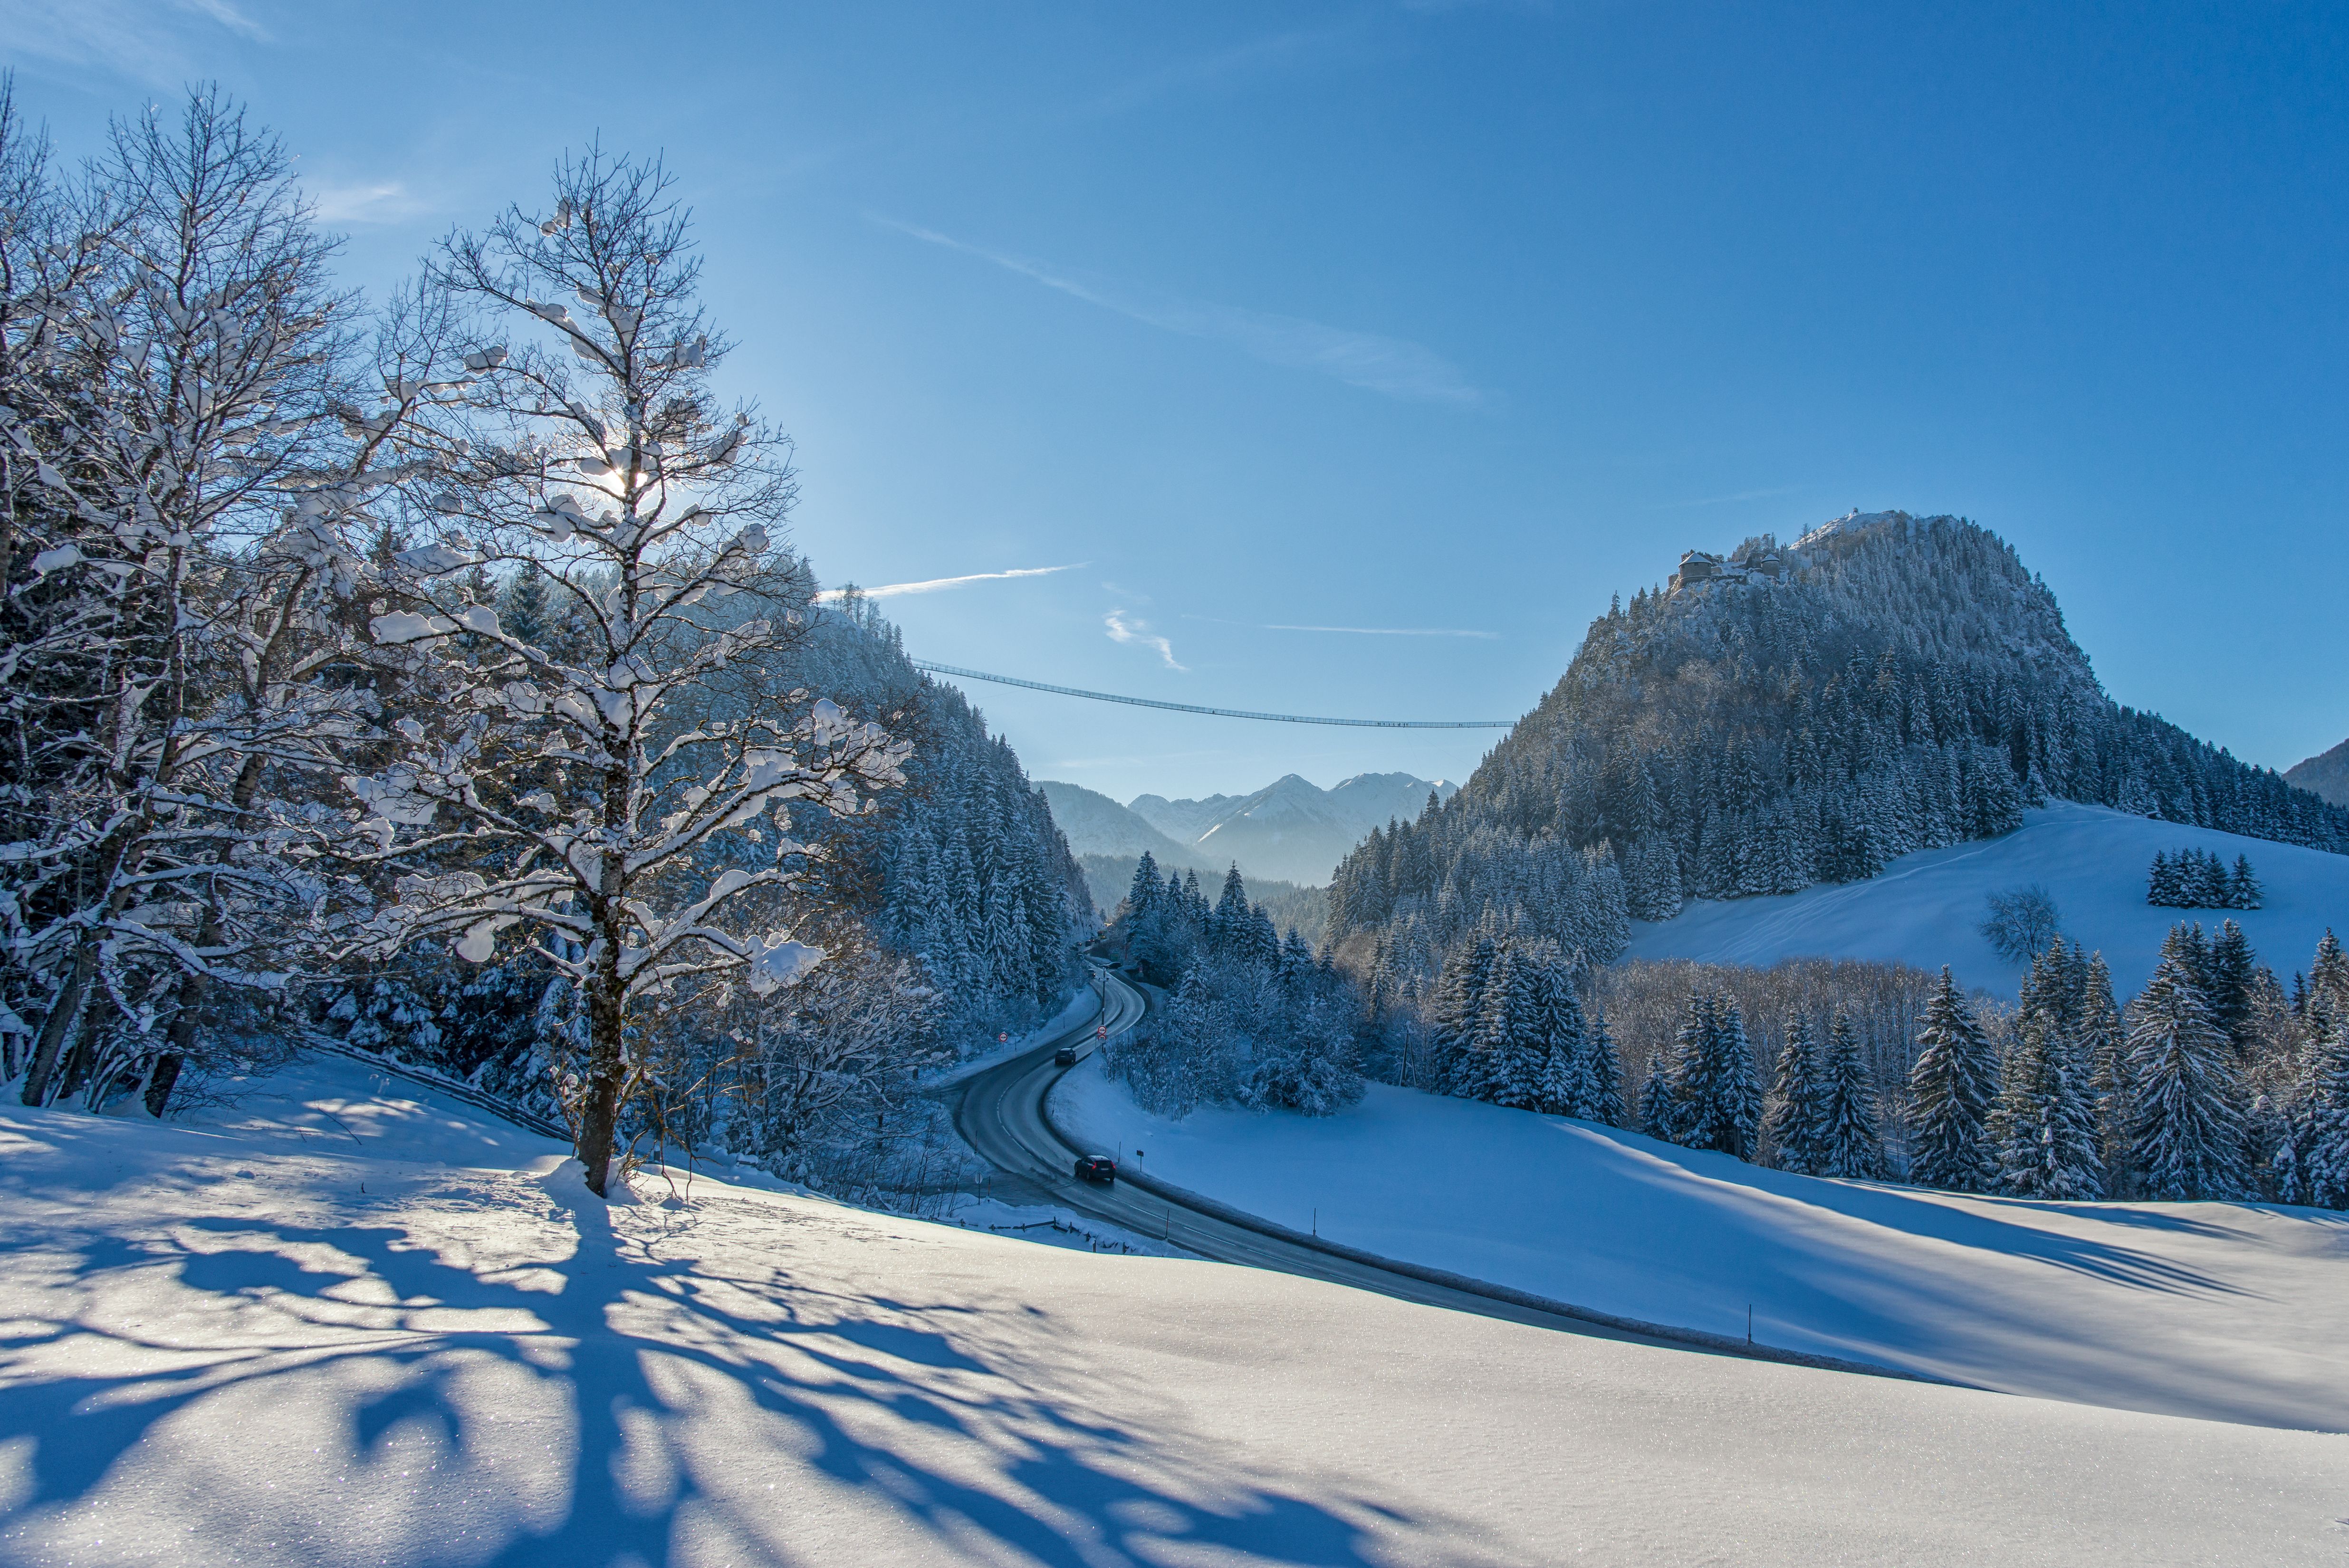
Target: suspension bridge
[962,673]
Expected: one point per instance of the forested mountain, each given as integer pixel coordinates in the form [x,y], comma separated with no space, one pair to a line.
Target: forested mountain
[976,878]
[1780,718]
[2325,774]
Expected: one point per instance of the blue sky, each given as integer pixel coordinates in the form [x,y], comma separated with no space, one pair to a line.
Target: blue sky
[1438,322]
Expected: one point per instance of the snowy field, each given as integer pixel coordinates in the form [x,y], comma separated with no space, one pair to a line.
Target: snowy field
[2224,1311]
[1924,910]
[347,1327]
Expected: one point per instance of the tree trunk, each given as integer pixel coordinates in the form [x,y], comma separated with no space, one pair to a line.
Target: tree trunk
[160,1081]
[195,987]
[47,1048]
[599,1116]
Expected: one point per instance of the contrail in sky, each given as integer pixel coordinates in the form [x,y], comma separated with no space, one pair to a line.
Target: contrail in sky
[932,585]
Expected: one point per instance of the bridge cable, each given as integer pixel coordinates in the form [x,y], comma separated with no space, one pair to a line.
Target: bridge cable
[1216,712]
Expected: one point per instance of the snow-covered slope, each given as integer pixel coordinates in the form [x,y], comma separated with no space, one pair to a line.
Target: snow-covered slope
[347,1327]
[2228,1312]
[1925,908]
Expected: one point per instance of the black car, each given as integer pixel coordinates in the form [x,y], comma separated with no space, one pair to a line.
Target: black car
[1066,1056]
[1096,1167]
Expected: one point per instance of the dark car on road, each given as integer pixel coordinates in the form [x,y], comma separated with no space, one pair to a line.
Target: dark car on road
[1096,1167]
[1066,1056]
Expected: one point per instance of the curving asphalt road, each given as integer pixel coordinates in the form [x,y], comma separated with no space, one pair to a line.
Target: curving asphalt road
[1001,1115]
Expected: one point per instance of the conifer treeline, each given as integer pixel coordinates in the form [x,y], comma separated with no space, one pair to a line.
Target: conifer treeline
[2213,1083]
[2197,879]
[1255,1018]
[1908,684]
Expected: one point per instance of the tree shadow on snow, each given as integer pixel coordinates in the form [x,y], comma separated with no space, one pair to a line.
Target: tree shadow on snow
[613,1406]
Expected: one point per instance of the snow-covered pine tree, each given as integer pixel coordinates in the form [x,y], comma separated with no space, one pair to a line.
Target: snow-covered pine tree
[2162,889]
[1666,1100]
[2229,975]
[1844,1139]
[612,801]
[1791,1117]
[1603,1072]
[1724,1097]
[2244,889]
[1507,1051]
[2314,1162]
[2103,1042]
[2044,1126]
[2187,1130]
[1566,1068]
[1950,1092]
[2328,982]
[1456,1011]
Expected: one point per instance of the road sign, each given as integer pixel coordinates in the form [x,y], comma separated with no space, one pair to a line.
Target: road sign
[1101,1033]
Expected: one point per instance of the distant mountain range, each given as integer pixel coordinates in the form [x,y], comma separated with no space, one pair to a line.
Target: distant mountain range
[2326,775]
[1290,830]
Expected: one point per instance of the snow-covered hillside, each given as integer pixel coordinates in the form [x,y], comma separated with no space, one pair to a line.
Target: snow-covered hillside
[2228,1312]
[1925,908]
[344,1326]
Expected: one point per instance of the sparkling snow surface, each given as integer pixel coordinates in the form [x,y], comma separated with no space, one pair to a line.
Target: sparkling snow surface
[1925,907]
[219,1349]
[2232,1312]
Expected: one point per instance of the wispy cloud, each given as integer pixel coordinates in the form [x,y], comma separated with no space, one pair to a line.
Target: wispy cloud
[1389,365]
[1123,629]
[155,41]
[937,584]
[384,201]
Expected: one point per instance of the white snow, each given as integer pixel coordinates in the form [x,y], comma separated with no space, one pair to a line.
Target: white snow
[2226,1311]
[1924,910]
[342,1325]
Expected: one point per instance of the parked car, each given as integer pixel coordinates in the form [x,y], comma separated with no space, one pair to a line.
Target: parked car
[1066,1056]
[1096,1167]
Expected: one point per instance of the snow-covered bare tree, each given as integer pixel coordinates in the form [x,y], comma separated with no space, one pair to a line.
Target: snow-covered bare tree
[608,793]
[164,392]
